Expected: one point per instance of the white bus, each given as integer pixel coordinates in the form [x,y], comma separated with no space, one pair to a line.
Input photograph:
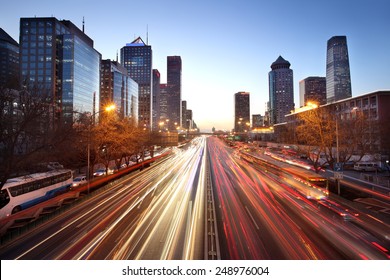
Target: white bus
[365,166]
[23,192]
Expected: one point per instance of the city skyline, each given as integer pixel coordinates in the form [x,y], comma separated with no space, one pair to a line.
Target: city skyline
[229,48]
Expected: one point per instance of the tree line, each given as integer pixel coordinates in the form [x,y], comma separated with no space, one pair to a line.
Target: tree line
[32,133]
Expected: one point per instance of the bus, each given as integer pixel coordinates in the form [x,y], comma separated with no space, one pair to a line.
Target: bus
[23,192]
[308,183]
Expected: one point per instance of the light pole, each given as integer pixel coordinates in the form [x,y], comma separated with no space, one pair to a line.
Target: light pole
[109,108]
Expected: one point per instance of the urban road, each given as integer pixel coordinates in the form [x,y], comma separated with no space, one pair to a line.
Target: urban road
[203,202]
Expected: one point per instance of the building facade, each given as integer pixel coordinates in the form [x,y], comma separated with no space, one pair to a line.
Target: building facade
[9,61]
[136,57]
[163,117]
[156,99]
[117,87]
[174,91]
[241,112]
[373,107]
[338,78]
[312,89]
[257,121]
[281,90]
[59,59]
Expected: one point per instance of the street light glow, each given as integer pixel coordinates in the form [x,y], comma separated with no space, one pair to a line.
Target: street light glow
[110,108]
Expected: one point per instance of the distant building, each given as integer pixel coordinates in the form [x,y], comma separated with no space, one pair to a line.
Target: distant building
[312,89]
[117,87]
[174,91]
[188,120]
[59,59]
[338,78]
[156,99]
[9,61]
[163,117]
[257,121]
[183,113]
[241,112]
[281,90]
[136,57]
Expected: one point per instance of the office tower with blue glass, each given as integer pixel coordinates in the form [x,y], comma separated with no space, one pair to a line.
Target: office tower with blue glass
[59,60]
[117,87]
[338,78]
[281,91]
[136,57]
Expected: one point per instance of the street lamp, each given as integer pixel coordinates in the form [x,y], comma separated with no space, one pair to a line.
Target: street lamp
[107,109]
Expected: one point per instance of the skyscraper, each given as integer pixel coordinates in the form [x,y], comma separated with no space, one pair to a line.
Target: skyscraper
[117,87]
[281,90]
[156,99]
[136,57]
[59,59]
[163,103]
[338,78]
[312,89]
[174,90]
[9,61]
[241,111]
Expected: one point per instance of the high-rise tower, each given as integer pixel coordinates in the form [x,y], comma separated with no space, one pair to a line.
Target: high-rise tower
[338,78]
[281,90]
[136,57]
[241,111]
[174,91]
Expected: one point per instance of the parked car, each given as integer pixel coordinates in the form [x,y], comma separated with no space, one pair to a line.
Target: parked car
[78,181]
[99,172]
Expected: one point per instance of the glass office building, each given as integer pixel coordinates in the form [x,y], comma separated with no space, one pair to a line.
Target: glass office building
[117,87]
[58,59]
[312,89]
[338,78]
[136,57]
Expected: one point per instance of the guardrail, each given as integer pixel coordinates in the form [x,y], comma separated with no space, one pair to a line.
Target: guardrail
[212,249]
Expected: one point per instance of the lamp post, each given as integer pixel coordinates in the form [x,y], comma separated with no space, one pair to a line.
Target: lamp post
[106,109]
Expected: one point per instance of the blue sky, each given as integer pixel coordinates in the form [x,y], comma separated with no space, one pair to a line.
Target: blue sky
[228,46]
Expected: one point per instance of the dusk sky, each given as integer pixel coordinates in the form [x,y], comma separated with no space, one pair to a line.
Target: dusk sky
[228,46]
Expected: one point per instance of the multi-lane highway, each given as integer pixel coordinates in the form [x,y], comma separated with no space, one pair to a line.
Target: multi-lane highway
[204,201]
[155,214]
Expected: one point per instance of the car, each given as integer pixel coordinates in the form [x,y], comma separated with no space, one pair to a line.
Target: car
[54,165]
[78,181]
[99,172]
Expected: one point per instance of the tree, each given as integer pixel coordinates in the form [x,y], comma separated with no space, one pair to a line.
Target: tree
[27,130]
[329,137]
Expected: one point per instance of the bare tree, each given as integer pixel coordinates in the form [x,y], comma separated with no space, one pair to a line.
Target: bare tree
[329,137]
[24,119]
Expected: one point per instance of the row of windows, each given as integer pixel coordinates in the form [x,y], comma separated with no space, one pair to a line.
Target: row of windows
[39,184]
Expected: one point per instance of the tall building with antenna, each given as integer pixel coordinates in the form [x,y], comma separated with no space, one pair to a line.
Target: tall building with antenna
[136,57]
